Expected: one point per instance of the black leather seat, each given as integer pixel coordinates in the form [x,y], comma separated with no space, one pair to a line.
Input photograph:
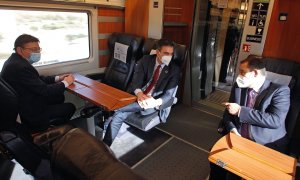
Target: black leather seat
[60,153]
[290,68]
[147,122]
[118,74]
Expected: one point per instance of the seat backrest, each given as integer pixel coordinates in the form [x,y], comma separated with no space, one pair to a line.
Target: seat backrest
[289,68]
[8,106]
[122,61]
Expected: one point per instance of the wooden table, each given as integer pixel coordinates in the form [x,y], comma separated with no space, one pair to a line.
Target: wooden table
[100,94]
[251,160]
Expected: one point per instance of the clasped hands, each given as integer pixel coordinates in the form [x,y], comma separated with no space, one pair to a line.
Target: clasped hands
[147,102]
[69,78]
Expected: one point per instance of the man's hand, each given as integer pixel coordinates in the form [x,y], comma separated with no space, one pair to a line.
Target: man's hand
[141,96]
[69,79]
[149,103]
[62,77]
[233,108]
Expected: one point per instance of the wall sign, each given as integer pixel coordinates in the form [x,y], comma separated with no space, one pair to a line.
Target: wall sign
[253,38]
[120,52]
[246,47]
[258,19]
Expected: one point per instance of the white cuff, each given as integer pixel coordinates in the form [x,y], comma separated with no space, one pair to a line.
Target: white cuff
[65,83]
[137,91]
[159,101]
[56,78]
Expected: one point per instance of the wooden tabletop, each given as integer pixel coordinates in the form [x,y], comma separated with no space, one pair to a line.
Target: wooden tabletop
[251,160]
[100,94]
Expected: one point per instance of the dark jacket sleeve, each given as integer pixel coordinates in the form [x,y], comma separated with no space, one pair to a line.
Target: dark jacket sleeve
[274,114]
[48,79]
[34,83]
[228,122]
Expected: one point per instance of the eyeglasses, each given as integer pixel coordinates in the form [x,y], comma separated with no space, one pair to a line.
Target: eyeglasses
[34,49]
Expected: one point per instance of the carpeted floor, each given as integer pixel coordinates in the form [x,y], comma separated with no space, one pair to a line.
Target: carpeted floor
[192,125]
[175,150]
[132,144]
[175,160]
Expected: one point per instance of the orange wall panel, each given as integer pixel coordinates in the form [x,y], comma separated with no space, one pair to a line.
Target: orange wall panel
[103,61]
[283,39]
[103,44]
[137,17]
[111,12]
[109,27]
[178,11]
[105,28]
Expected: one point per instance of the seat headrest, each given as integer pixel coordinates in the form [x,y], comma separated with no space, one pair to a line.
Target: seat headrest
[8,106]
[132,41]
[179,50]
[275,66]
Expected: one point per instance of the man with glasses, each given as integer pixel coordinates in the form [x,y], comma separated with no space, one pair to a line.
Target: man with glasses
[41,99]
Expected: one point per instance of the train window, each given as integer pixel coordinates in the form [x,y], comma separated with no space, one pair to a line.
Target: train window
[64,35]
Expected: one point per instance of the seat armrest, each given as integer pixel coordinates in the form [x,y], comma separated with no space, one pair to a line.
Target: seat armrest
[96,76]
[172,101]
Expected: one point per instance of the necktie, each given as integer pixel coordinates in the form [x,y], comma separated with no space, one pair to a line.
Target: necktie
[153,81]
[250,103]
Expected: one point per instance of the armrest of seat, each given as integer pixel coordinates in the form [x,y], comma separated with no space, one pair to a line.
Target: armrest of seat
[28,155]
[172,101]
[96,76]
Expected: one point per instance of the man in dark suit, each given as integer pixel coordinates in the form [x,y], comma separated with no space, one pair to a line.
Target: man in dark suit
[256,110]
[40,97]
[154,82]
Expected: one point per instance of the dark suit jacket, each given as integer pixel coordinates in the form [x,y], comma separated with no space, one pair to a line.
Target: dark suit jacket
[32,89]
[166,84]
[267,117]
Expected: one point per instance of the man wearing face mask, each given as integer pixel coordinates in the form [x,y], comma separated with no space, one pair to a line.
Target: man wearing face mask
[40,97]
[256,110]
[154,82]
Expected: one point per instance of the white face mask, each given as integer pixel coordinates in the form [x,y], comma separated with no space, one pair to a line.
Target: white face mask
[243,81]
[166,60]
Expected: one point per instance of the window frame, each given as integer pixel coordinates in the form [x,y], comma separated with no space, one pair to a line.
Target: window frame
[78,65]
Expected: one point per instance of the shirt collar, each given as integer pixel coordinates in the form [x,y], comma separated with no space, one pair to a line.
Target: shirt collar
[259,83]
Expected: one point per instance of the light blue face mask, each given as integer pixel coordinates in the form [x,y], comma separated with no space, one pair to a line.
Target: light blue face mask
[34,57]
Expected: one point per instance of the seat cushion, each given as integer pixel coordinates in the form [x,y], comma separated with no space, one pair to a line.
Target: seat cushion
[143,121]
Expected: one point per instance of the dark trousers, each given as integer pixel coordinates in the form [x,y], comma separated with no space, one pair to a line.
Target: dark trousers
[117,120]
[59,112]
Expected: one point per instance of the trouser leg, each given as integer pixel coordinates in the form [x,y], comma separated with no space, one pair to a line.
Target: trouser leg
[117,120]
[60,113]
